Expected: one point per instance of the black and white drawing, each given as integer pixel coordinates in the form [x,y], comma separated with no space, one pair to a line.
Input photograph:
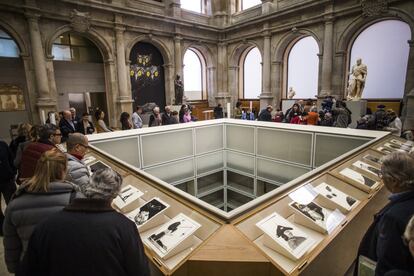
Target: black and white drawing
[126,196]
[372,159]
[89,159]
[147,211]
[286,235]
[385,150]
[396,147]
[172,233]
[312,211]
[368,168]
[97,166]
[337,196]
[356,176]
[408,145]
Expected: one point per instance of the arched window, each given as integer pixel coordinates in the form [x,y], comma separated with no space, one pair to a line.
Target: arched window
[194,75]
[303,66]
[192,5]
[245,4]
[251,74]
[8,48]
[72,47]
[384,49]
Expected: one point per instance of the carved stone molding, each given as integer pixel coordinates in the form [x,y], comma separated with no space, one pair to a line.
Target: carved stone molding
[374,7]
[80,21]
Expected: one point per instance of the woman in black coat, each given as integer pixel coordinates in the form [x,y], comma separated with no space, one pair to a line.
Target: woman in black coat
[85,126]
[383,241]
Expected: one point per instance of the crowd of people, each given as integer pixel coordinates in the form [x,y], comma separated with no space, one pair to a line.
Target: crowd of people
[59,219]
[333,113]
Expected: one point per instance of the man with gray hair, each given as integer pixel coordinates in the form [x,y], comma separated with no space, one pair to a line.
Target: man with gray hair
[97,240]
[78,173]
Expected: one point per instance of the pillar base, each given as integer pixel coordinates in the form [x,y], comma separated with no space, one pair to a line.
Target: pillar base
[265,100]
[125,105]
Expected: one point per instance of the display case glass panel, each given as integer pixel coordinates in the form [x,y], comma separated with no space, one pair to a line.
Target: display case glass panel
[187,187]
[264,187]
[210,162]
[216,199]
[173,172]
[279,172]
[329,147]
[285,145]
[166,146]
[235,199]
[240,162]
[126,149]
[209,138]
[209,183]
[240,183]
[240,138]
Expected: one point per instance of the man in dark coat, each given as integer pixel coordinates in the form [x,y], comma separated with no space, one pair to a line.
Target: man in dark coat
[49,137]
[88,237]
[166,116]
[7,175]
[383,241]
[266,114]
[66,125]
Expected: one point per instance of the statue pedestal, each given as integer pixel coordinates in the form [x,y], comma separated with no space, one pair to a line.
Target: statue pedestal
[358,108]
[286,104]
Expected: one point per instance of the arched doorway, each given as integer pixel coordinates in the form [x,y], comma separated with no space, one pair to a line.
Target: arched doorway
[14,101]
[384,49]
[79,74]
[250,74]
[194,75]
[147,75]
[302,69]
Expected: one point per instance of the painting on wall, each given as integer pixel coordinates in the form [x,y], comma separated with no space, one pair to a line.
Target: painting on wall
[11,98]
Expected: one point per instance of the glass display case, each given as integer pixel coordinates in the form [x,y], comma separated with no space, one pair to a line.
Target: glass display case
[245,176]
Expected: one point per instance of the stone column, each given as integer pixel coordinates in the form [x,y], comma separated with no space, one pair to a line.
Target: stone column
[178,58]
[111,92]
[267,6]
[266,97]
[44,101]
[326,88]
[277,73]
[124,96]
[408,109]
[212,85]
[232,81]
[223,95]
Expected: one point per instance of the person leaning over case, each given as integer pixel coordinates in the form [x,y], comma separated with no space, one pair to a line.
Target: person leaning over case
[383,243]
[88,237]
[78,173]
[35,200]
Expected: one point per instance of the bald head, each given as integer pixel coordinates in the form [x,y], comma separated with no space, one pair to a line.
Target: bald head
[77,143]
[67,115]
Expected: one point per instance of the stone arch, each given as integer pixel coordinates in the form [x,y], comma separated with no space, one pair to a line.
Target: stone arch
[16,37]
[288,41]
[160,45]
[103,46]
[281,54]
[357,26]
[207,55]
[240,49]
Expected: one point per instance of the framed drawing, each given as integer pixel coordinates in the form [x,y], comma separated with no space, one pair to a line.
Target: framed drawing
[311,215]
[396,147]
[172,235]
[359,180]
[284,237]
[367,168]
[339,198]
[385,150]
[408,144]
[11,98]
[127,198]
[147,212]
[373,159]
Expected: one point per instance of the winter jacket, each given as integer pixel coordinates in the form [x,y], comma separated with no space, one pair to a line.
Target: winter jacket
[85,131]
[66,128]
[25,211]
[77,172]
[30,157]
[383,243]
[97,240]
[265,115]
[341,116]
[7,170]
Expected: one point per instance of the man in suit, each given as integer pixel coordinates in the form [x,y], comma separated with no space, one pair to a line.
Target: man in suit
[66,125]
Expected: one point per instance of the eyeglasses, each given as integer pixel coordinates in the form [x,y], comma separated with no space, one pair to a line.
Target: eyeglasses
[58,134]
[85,146]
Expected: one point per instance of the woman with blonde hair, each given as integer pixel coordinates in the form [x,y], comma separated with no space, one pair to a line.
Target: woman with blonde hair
[45,193]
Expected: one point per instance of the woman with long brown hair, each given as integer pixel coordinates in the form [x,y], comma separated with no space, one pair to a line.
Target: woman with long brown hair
[36,199]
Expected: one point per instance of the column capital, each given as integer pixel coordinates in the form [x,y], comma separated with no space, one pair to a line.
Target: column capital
[222,44]
[178,38]
[233,67]
[329,19]
[109,61]
[277,63]
[168,65]
[32,16]
[119,28]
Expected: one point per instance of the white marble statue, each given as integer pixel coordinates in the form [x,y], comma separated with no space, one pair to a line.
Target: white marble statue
[356,84]
[291,93]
